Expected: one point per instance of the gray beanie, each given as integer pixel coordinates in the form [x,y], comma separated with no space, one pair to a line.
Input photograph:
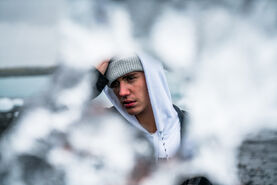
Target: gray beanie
[121,65]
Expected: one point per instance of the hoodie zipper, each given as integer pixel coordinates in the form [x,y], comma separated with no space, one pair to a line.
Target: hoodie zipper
[164,144]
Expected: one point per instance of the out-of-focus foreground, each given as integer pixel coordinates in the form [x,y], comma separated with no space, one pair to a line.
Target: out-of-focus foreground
[221,63]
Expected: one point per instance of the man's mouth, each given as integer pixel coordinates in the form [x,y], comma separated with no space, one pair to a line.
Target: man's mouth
[129,104]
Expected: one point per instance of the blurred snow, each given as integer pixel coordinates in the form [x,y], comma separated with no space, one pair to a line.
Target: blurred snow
[221,61]
[7,104]
[174,38]
[86,46]
[82,140]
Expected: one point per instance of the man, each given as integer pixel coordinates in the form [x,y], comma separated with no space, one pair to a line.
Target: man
[137,87]
[138,90]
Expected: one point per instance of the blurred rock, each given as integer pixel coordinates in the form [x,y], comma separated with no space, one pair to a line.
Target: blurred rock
[258,159]
[7,117]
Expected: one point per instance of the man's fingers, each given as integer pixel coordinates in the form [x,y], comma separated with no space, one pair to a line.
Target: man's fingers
[102,67]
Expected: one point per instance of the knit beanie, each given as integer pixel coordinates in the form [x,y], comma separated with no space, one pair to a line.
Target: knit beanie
[121,65]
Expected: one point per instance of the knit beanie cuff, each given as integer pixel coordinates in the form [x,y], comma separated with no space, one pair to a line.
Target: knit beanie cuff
[120,66]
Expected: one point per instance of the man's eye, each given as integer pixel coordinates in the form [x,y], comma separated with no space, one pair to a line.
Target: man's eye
[130,78]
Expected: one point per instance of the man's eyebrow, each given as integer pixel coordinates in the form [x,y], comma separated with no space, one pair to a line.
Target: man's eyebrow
[130,74]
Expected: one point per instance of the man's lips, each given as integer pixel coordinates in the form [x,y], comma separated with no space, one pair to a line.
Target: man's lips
[129,104]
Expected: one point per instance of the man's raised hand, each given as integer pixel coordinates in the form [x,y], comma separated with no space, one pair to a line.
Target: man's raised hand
[102,67]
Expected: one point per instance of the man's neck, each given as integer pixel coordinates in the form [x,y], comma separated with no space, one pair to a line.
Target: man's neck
[147,120]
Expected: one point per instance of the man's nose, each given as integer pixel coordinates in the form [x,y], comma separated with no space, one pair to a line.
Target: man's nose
[123,89]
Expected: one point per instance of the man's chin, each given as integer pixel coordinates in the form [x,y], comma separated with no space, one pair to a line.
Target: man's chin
[132,111]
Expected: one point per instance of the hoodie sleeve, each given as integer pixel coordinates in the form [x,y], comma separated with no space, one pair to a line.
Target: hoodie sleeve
[98,84]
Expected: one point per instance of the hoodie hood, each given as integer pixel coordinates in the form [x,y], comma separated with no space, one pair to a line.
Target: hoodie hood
[166,118]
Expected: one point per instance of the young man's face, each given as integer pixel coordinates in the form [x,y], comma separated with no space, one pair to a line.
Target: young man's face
[131,90]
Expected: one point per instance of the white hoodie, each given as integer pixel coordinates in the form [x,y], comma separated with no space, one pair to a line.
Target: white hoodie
[166,140]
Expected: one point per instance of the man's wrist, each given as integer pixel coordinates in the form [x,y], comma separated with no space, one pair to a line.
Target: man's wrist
[102,81]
